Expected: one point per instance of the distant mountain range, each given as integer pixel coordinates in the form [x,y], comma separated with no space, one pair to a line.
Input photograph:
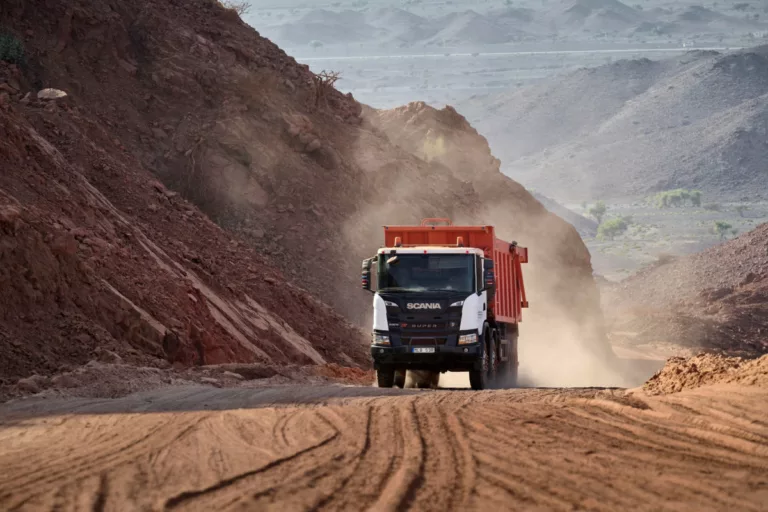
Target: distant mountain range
[637,126]
[511,24]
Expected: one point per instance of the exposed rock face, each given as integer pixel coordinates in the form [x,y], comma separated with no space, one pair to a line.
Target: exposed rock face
[189,156]
[82,274]
[715,300]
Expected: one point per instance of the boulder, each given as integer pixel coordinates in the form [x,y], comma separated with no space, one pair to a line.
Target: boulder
[51,94]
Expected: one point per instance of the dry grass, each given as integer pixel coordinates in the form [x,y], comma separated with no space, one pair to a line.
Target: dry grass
[241,8]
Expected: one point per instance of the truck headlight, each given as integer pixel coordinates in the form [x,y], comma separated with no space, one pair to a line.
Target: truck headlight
[457,304]
[380,339]
[467,339]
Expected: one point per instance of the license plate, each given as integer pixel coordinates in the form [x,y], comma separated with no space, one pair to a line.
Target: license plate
[423,350]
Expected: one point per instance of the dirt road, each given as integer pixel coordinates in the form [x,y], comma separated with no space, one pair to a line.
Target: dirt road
[353,448]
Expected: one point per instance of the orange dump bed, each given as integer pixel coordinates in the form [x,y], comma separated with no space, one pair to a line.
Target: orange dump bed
[509,298]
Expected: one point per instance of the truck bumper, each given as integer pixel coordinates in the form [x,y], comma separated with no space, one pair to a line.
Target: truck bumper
[444,359]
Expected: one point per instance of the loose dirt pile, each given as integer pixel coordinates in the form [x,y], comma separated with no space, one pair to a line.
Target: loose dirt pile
[680,373]
[716,300]
[190,158]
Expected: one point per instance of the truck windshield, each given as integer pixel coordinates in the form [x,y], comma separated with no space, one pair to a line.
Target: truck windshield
[427,272]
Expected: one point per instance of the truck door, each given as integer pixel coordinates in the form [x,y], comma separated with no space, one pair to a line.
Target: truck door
[479,285]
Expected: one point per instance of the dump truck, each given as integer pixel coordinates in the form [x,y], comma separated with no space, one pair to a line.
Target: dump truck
[446,299]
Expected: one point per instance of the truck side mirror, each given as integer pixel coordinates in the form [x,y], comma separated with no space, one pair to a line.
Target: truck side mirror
[366,274]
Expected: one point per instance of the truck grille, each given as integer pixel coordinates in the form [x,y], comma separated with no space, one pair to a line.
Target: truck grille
[423,341]
[435,326]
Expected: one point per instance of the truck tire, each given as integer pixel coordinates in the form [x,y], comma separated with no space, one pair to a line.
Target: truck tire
[508,369]
[385,377]
[399,378]
[493,364]
[477,379]
[480,379]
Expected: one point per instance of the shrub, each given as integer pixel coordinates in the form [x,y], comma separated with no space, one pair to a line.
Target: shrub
[323,83]
[598,211]
[240,7]
[741,209]
[613,227]
[696,197]
[11,49]
[677,198]
[721,228]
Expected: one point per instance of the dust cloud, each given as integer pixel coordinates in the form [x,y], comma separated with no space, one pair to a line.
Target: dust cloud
[553,353]
[562,337]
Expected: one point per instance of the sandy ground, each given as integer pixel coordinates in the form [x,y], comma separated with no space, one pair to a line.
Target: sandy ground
[334,447]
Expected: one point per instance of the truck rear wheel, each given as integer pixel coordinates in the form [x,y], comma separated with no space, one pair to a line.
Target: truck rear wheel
[385,377]
[508,368]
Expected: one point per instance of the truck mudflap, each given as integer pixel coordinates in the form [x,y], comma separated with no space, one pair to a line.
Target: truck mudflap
[443,359]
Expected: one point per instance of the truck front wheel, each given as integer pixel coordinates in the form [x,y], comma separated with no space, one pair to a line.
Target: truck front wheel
[480,379]
[385,377]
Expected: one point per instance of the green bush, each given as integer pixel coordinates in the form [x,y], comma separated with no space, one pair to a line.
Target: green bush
[613,227]
[721,228]
[696,197]
[11,49]
[677,198]
[598,211]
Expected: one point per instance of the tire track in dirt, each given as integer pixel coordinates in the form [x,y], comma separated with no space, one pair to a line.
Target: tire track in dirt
[382,452]
[230,490]
[400,489]
[432,450]
[35,478]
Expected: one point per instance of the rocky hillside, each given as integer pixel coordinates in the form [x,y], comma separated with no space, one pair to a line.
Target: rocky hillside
[713,300]
[194,170]
[96,255]
[634,127]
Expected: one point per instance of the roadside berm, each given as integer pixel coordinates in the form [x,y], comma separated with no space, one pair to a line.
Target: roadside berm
[707,369]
